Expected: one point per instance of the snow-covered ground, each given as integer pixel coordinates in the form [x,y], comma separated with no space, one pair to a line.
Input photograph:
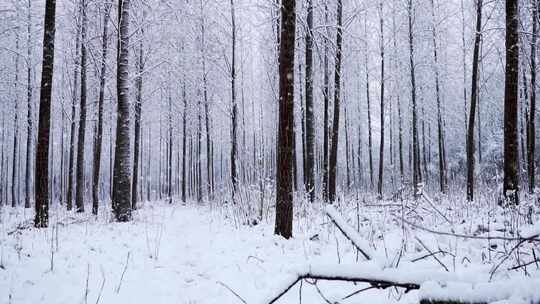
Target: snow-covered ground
[200,254]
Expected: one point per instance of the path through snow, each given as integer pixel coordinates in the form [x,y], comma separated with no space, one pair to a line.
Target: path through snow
[177,254]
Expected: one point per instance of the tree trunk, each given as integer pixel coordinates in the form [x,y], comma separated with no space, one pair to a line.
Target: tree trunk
[284,190]
[474,98]
[71,170]
[234,112]
[169,152]
[121,200]
[29,117]
[417,173]
[370,138]
[184,140]
[14,170]
[464,56]
[326,127]
[337,95]
[42,151]
[208,121]
[531,134]
[101,99]
[443,178]
[347,156]
[138,114]
[523,113]
[310,119]
[511,152]
[381,145]
[79,195]
[2,179]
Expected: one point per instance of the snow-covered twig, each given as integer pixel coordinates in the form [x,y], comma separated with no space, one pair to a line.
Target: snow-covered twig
[431,253]
[232,291]
[102,285]
[362,273]
[123,272]
[350,233]
[466,236]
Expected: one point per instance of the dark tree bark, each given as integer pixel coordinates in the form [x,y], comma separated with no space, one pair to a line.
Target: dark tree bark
[138,114]
[511,152]
[29,114]
[79,196]
[184,141]
[337,96]
[381,145]
[42,153]
[71,169]
[63,172]
[464,56]
[160,158]
[234,111]
[208,121]
[474,98]
[2,179]
[417,173]
[310,119]
[14,170]
[443,178]
[302,121]
[347,156]
[523,113]
[121,198]
[370,137]
[169,153]
[400,121]
[285,153]
[359,156]
[101,99]
[326,124]
[531,133]
[149,165]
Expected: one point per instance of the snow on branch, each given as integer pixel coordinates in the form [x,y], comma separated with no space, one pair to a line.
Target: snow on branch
[531,232]
[366,272]
[434,287]
[351,234]
[517,291]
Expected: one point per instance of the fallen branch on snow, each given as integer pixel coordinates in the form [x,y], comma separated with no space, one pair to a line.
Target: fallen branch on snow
[430,291]
[358,273]
[433,287]
[351,234]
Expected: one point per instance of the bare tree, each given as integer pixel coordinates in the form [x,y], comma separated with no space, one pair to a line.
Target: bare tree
[474,98]
[234,110]
[443,178]
[29,114]
[531,134]
[42,153]
[138,114]
[511,152]
[121,198]
[71,169]
[417,173]
[14,170]
[79,196]
[285,153]
[381,145]
[337,95]
[326,124]
[184,139]
[101,99]
[310,119]
[208,121]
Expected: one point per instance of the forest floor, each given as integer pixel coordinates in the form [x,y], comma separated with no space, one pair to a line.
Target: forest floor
[202,254]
